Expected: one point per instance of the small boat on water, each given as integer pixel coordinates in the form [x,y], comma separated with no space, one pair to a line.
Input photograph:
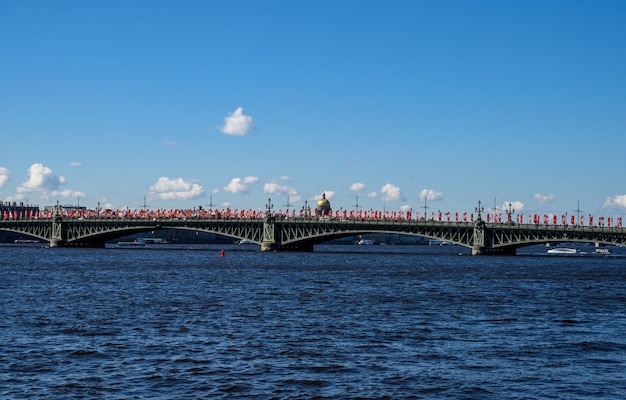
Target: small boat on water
[141,242]
[603,250]
[365,242]
[153,240]
[26,241]
[135,243]
[562,250]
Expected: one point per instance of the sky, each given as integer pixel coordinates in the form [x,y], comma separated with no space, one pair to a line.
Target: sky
[389,105]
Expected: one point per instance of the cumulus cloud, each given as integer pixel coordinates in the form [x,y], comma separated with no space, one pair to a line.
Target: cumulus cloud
[282,190]
[75,164]
[544,198]
[238,185]
[237,123]
[617,201]
[4,176]
[372,195]
[431,195]
[390,192]
[175,189]
[517,206]
[329,195]
[68,194]
[356,186]
[40,179]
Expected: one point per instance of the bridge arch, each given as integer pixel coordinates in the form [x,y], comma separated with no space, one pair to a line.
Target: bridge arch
[303,233]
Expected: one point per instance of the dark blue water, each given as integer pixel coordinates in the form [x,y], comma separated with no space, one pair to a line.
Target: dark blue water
[383,322]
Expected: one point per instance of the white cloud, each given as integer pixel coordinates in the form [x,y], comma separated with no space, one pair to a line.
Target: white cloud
[75,164]
[617,201]
[4,176]
[238,185]
[169,143]
[282,190]
[237,123]
[175,189]
[283,178]
[544,198]
[517,206]
[357,186]
[430,194]
[390,192]
[329,195]
[40,179]
[372,195]
[68,194]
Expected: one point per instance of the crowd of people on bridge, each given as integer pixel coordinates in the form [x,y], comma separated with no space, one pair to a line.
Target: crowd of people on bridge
[344,215]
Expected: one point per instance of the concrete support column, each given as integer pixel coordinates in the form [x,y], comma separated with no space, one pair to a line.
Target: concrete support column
[269,246]
[268,243]
[56,234]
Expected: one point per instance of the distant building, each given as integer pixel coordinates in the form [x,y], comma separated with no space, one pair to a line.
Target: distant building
[65,209]
[323,206]
[15,210]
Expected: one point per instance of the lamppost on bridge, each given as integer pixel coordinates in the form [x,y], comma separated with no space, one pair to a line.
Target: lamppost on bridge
[479,210]
[305,209]
[269,206]
[509,211]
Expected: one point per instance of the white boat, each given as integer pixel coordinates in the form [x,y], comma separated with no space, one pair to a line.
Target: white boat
[365,242]
[245,241]
[603,250]
[134,243]
[153,240]
[26,241]
[562,250]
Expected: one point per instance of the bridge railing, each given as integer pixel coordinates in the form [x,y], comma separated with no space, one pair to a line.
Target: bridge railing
[371,216]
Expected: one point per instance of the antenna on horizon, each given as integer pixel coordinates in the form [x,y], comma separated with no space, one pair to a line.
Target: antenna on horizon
[288,204]
[578,211]
[357,206]
[494,209]
[425,207]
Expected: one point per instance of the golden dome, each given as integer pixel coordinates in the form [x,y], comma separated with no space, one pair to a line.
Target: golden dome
[323,203]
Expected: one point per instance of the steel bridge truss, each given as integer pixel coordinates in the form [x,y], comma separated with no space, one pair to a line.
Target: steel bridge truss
[303,234]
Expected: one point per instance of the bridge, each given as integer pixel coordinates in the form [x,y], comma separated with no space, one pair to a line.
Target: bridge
[284,232]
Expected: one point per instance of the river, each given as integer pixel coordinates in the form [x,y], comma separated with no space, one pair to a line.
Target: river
[369,322]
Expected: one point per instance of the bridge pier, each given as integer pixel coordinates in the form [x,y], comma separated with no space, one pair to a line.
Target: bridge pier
[269,246]
[56,243]
[490,251]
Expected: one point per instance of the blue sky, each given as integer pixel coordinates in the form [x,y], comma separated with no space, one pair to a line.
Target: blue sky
[235,102]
